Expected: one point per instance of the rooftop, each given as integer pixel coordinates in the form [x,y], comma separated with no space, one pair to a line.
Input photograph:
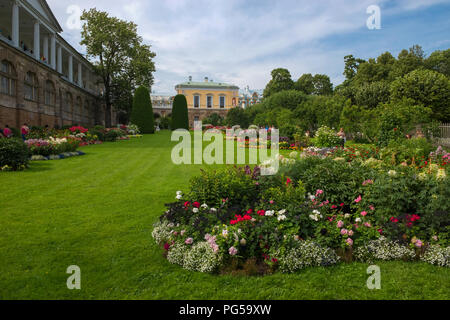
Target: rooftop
[206,84]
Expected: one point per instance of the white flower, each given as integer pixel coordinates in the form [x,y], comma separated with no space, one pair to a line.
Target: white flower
[213,209]
[316,212]
[282,217]
[204,206]
[179,196]
[347,215]
[311,197]
[270,213]
[225,233]
[392,173]
[281,212]
[314,217]
[358,220]
[195,210]
[179,192]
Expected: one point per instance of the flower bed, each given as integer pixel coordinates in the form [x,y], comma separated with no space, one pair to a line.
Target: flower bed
[315,212]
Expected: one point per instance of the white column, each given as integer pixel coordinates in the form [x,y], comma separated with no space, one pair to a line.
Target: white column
[70,68]
[45,45]
[80,75]
[15,24]
[37,41]
[53,51]
[59,69]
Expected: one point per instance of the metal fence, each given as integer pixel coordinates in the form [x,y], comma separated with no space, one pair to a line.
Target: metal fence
[445,130]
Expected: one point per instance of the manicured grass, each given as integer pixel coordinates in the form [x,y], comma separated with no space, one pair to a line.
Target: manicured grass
[97,211]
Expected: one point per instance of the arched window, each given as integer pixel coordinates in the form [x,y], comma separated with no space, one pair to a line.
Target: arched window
[68,103]
[30,87]
[86,110]
[196,100]
[78,106]
[50,94]
[209,101]
[7,78]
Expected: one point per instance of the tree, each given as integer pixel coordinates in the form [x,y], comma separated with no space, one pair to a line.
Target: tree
[305,84]
[237,116]
[180,116]
[427,88]
[213,119]
[142,113]
[351,66]
[289,99]
[119,57]
[439,61]
[322,85]
[281,80]
[371,94]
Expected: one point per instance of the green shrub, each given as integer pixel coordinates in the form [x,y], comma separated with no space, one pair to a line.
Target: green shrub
[142,112]
[112,135]
[180,117]
[406,150]
[14,154]
[327,138]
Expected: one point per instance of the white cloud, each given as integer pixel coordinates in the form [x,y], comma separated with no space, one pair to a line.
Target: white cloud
[238,41]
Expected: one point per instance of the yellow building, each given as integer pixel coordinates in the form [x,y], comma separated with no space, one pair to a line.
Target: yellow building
[207,97]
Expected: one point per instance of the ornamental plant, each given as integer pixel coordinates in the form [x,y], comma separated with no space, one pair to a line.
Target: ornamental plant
[142,111]
[180,118]
[14,154]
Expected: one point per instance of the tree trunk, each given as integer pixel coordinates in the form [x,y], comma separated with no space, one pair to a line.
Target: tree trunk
[108,108]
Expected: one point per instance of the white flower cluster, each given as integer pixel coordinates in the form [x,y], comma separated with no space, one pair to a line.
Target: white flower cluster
[307,254]
[383,249]
[176,253]
[315,215]
[201,258]
[437,255]
[179,195]
[162,231]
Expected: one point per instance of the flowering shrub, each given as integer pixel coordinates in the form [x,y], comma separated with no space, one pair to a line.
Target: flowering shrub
[306,254]
[326,137]
[383,249]
[78,130]
[437,255]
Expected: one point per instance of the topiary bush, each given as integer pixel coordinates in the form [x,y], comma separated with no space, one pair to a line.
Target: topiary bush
[180,117]
[142,112]
[14,154]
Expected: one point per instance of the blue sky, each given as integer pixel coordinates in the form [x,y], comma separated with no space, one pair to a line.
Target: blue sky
[241,41]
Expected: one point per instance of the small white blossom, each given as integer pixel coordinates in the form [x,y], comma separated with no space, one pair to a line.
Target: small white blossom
[195,210]
[281,217]
[270,213]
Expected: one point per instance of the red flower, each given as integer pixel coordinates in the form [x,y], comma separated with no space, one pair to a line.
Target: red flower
[393,219]
[380,231]
[249,211]
[342,204]
[261,213]
[166,246]
[196,204]
[288,181]
[187,204]
[333,206]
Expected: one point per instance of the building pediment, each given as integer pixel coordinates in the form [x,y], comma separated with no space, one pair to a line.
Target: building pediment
[42,10]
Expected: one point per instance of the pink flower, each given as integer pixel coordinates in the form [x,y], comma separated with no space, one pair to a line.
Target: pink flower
[340,224]
[232,251]
[271,201]
[372,208]
[319,192]
[357,200]
[349,241]
[367,224]
[419,244]
[364,213]
[350,233]
[189,241]
[344,232]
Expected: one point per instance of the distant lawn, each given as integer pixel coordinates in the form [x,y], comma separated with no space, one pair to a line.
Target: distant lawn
[97,212]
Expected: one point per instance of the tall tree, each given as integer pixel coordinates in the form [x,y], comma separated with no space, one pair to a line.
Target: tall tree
[281,80]
[305,83]
[180,116]
[322,85]
[119,56]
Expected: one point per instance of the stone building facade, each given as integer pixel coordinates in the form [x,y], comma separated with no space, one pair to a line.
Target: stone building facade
[207,97]
[43,79]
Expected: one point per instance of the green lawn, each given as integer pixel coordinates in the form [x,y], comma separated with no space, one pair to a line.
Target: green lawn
[97,211]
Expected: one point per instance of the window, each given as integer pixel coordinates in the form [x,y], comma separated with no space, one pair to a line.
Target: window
[196,101]
[209,101]
[68,103]
[49,94]
[78,106]
[7,78]
[30,87]
[222,101]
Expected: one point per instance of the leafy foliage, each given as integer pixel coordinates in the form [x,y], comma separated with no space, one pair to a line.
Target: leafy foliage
[180,117]
[142,114]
